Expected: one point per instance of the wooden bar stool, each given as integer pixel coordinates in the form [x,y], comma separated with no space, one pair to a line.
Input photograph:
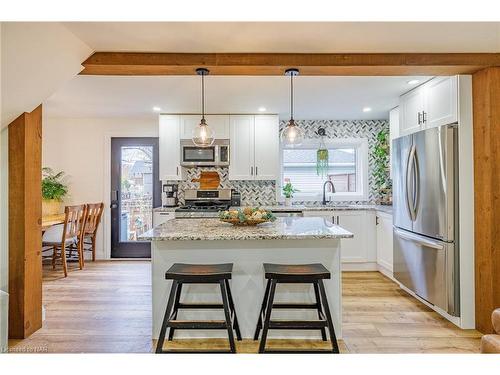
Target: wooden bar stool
[181,274]
[297,274]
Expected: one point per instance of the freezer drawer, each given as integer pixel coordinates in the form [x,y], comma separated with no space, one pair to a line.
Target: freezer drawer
[428,268]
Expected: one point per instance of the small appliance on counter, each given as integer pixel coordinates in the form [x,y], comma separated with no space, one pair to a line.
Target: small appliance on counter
[169,195]
[235,198]
[204,203]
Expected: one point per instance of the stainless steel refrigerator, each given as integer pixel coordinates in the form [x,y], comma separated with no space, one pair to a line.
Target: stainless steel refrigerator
[425,192]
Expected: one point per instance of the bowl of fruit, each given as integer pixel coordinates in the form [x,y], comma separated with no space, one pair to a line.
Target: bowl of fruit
[250,216]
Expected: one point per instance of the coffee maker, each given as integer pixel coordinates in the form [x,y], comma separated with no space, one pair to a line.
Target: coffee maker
[169,195]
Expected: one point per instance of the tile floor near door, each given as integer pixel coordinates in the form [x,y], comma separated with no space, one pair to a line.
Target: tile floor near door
[107,308]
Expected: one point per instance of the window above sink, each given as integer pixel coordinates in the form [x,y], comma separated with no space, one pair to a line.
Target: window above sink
[347,169]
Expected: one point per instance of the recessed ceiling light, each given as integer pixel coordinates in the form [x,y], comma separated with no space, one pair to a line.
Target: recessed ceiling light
[262,109]
[156,109]
[413,81]
[367,109]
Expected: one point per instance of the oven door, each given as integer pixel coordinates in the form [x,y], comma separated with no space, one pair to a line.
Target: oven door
[193,155]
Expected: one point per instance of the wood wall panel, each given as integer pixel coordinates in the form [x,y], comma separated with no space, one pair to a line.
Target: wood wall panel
[349,64]
[486,102]
[25,202]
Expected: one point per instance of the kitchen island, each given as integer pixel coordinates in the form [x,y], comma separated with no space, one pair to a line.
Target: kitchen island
[290,240]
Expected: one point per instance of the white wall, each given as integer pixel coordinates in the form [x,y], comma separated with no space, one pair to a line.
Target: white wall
[80,147]
[37,59]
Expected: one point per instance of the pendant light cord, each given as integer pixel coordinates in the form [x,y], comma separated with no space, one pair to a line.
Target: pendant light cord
[203,96]
[291,96]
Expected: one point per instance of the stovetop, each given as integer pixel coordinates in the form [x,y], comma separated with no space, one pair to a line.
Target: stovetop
[202,209]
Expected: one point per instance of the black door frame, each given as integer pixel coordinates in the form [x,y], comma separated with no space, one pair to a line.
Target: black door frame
[135,249]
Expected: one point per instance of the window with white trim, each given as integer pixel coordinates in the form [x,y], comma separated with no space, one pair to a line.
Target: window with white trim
[347,169]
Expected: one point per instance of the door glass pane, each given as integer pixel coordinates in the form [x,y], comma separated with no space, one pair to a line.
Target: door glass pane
[136,191]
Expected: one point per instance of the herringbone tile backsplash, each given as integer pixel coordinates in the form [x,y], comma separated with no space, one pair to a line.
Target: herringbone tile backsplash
[263,193]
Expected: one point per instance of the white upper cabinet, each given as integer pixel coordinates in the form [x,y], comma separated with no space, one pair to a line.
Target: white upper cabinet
[267,147]
[435,103]
[411,108]
[254,147]
[241,165]
[219,123]
[170,157]
[441,102]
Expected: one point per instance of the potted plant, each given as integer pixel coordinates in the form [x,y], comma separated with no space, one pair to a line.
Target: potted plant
[381,168]
[54,190]
[288,191]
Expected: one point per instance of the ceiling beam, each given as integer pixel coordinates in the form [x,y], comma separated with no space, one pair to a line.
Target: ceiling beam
[347,64]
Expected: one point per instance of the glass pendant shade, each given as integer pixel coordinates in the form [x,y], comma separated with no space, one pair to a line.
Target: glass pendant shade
[203,135]
[292,135]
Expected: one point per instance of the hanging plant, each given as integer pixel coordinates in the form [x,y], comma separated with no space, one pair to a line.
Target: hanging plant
[381,174]
[322,155]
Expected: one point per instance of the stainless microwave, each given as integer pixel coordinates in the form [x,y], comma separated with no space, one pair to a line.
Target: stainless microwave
[194,156]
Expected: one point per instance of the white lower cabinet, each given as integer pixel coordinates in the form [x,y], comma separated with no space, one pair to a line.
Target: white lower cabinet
[162,217]
[358,253]
[384,243]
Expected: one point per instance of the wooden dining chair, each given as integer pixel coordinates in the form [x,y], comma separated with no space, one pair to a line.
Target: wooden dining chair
[67,236]
[94,215]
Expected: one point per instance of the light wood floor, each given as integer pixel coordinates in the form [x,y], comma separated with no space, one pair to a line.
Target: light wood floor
[107,308]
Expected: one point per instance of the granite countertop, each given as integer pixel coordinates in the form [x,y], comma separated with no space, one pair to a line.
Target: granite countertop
[301,208]
[284,228]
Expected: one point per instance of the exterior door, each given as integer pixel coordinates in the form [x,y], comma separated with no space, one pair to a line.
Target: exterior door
[135,191]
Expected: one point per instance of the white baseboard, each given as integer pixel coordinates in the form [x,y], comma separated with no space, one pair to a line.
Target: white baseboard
[385,271]
[359,266]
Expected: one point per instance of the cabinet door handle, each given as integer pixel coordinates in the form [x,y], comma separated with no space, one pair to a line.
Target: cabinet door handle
[251,171]
[256,171]
[338,220]
[177,171]
[424,117]
[376,220]
[419,118]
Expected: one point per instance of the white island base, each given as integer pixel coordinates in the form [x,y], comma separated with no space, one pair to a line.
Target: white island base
[248,283]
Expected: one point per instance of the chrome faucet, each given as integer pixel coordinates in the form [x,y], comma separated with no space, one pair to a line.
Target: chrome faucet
[324,190]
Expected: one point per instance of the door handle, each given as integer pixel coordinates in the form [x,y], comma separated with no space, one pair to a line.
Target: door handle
[256,171]
[409,175]
[251,171]
[419,240]
[419,118]
[424,117]
[114,199]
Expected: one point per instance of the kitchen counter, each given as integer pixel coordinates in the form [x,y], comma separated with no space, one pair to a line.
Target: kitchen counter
[288,240]
[284,228]
[302,208]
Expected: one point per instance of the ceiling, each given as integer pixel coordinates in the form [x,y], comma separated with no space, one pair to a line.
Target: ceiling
[332,97]
[293,37]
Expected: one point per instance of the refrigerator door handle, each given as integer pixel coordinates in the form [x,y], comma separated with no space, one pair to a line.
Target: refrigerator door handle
[420,240]
[410,180]
[416,186]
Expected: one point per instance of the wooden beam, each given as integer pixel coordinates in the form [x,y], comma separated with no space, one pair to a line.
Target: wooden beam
[486,103]
[25,214]
[133,63]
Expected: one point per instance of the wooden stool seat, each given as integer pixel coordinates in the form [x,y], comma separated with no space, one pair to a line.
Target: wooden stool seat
[203,272]
[296,273]
[315,271]
[181,273]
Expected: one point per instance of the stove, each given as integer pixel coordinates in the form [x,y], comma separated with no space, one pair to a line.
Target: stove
[204,203]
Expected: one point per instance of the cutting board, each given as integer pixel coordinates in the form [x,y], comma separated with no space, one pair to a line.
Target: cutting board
[208,180]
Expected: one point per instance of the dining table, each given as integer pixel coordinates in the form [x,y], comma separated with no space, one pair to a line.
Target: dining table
[50,220]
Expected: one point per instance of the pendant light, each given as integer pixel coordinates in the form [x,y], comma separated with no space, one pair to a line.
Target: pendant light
[292,135]
[203,135]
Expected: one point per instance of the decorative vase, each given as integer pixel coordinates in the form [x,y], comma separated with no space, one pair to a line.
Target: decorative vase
[288,202]
[51,207]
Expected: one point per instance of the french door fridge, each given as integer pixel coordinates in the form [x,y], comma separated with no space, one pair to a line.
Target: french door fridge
[425,215]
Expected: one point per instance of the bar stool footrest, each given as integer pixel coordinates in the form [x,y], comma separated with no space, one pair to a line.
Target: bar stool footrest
[295,306]
[297,324]
[197,324]
[200,306]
